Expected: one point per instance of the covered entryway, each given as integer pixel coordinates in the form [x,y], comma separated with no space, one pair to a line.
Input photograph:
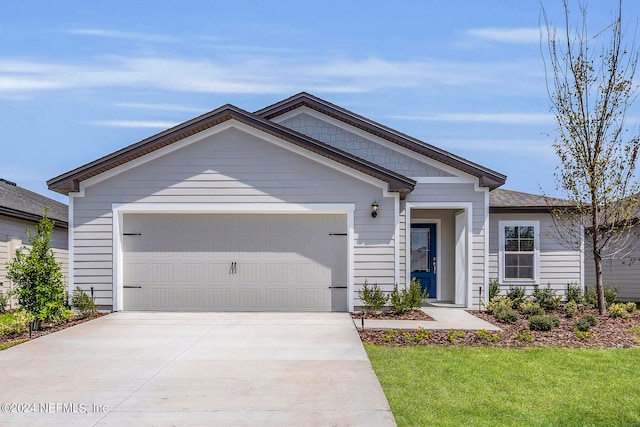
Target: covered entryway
[235,262]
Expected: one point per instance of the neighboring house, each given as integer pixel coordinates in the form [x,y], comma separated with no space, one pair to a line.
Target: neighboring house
[621,272]
[291,208]
[21,209]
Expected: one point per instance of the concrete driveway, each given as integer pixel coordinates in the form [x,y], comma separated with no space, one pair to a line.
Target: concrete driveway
[236,369]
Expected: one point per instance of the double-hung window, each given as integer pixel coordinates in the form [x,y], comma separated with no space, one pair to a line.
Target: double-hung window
[519,243]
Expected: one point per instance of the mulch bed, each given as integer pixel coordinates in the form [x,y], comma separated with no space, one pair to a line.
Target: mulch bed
[388,315]
[49,328]
[607,333]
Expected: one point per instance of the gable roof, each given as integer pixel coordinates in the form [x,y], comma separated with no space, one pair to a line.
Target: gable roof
[18,202]
[70,181]
[501,200]
[488,177]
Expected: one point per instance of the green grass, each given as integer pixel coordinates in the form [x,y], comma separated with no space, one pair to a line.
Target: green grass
[7,344]
[452,386]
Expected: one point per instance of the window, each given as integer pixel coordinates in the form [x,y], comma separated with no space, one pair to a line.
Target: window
[519,250]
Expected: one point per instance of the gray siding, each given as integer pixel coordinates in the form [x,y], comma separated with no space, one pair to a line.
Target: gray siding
[230,167]
[361,147]
[623,273]
[11,228]
[559,266]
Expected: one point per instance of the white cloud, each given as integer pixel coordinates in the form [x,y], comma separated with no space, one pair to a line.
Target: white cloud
[513,146]
[506,118]
[126,35]
[149,124]
[506,35]
[161,107]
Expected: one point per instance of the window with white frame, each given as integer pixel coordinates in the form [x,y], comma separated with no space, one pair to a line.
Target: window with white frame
[519,250]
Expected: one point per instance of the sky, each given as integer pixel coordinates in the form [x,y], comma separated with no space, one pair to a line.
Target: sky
[81,79]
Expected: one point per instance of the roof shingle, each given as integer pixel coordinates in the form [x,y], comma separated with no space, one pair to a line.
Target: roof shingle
[18,202]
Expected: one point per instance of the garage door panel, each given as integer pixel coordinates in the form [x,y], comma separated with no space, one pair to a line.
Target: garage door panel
[234,262]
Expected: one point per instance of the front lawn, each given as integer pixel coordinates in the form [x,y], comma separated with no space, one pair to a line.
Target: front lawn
[478,386]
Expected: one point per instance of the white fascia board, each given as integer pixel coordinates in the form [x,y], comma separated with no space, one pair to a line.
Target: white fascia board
[366,135]
[229,124]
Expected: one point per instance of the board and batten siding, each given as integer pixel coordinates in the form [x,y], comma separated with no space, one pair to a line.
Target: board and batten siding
[368,149]
[622,273]
[13,236]
[558,265]
[231,166]
[452,194]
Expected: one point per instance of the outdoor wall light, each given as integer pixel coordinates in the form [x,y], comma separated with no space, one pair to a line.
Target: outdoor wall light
[374,209]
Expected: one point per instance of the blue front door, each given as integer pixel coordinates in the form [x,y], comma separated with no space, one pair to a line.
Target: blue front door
[423,256]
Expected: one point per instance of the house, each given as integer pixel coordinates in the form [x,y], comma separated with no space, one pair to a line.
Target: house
[621,271]
[21,209]
[292,208]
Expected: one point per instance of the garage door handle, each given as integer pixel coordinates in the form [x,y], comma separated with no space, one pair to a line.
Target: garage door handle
[337,287]
[132,287]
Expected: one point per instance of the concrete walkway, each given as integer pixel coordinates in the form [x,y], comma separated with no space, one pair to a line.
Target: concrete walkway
[444,318]
[195,369]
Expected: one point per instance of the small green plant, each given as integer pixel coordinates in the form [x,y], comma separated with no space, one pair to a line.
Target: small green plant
[83,302]
[418,336]
[530,308]
[516,294]
[506,315]
[618,309]
[405,300]
[586,322]
[574,293]
[542,322]
[18,324]
[494,289]
[546,297]
[498,302]
[582,335]
[631,306]
[591,296]
[491,337]
[453,335]
[571,308]
[4,300]
[372,297]
[636,333]
[525,335]
[388,336]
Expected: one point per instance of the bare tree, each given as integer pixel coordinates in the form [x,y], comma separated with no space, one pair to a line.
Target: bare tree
[590,85]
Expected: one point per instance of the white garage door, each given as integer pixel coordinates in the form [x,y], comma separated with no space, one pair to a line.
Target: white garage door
[239,262]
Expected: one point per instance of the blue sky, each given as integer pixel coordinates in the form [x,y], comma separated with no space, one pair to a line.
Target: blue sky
[81,79]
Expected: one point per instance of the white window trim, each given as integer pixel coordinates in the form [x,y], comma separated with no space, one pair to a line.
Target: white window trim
[536,252]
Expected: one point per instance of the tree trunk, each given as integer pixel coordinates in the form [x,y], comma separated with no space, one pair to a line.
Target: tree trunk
[597,258]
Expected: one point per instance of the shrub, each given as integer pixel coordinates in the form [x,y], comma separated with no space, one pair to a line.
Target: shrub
[83,302]
[37,275]
[495,337]
[453,335]
[494,289]
[4,300]
[419,335]
[498,302]
[571,308]
[516,294]
[582,335]
[574,293]
[585,322]
[546,297]
[541,322]
[631,306]
[506,315]
[372,297]
[529,308]
[19,323]
[618,310]
[525,335]
[591,296]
